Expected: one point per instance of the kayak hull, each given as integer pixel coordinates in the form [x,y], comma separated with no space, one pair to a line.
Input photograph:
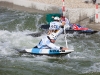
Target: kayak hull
[49,52]
[71,31]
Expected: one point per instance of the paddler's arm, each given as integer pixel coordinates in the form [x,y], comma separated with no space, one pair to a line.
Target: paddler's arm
[63,48]
[53,46]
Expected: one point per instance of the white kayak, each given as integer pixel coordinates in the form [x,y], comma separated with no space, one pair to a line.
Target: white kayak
[46,51]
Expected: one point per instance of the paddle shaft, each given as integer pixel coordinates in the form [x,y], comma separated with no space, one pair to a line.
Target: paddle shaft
[65,37]
[63,11]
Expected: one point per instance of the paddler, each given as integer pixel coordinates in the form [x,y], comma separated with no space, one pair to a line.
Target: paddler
[48,41]
[56,26]
[66,21]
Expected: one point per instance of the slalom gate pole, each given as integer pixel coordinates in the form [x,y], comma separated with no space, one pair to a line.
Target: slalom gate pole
[63,7]
[63,10]
[96,13]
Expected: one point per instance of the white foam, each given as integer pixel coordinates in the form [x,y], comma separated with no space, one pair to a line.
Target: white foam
[10,40]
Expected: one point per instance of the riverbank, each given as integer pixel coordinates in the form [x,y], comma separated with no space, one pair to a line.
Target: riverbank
[94,26]
[29,6]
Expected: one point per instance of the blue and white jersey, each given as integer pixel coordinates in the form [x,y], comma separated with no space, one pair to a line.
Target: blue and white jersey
[55,25]
[45,43]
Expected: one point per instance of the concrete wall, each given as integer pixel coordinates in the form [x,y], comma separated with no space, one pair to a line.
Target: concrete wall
[30,4]
[98,1]
[83,14]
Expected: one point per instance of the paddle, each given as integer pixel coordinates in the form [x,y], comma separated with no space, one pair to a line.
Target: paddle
[65,36]
[63,11]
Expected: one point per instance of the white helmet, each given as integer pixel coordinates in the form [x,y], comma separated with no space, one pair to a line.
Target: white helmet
[56,18]
[53,36]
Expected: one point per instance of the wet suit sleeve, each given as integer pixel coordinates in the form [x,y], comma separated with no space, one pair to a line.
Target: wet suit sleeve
[53,46]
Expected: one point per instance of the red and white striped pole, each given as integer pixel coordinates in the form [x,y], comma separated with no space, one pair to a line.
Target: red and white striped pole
[63,7]
[96,13]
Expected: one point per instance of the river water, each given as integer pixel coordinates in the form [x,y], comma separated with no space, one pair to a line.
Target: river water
[14,27]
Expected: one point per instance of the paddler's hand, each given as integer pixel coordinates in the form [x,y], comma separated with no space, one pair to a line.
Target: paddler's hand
[63,23]
[64,48]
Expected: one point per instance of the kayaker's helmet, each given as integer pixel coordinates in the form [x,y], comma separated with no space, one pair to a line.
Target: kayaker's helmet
[56,18]
[52,36]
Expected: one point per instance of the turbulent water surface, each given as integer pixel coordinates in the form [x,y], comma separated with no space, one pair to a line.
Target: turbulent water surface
[14,27]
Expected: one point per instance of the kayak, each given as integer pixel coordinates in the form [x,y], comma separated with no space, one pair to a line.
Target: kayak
[50,52]
[74,29]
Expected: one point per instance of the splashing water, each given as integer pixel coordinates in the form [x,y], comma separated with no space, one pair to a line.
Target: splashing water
[14,27]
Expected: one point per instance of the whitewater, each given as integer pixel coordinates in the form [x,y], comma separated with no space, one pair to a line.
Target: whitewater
[14,27]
